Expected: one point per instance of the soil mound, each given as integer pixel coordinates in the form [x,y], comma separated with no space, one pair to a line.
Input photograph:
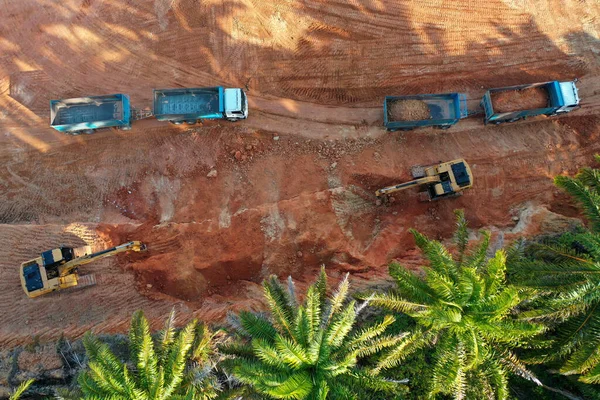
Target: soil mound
[409,110]
[519,100]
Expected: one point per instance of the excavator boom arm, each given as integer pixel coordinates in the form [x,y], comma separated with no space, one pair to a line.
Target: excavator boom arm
[68,267]
[406,185]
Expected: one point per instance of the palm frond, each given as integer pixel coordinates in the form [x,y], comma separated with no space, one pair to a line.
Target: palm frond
[440,259]
[589,199]
[143,353]
[279,304]
[256,325]
[321,287]
[461,236]
[394,302]
[167,335]
[338,298]
[413,288]
[22,388]
[178,353]
[477,259]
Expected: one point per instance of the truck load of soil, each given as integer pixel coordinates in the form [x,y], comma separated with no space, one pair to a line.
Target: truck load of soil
[409,110]
[519,100]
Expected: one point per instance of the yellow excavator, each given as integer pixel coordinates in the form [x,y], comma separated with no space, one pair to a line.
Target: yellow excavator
[443,180]
[56,269]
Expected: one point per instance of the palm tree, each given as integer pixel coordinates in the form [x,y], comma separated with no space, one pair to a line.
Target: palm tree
[308,351]
[464,311]
[175,366]
[567,272]
[20,390]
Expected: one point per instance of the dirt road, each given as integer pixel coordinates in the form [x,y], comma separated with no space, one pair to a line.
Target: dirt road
[295,182]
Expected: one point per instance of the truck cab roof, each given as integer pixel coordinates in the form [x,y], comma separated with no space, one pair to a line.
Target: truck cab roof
[235,102]
[569,93]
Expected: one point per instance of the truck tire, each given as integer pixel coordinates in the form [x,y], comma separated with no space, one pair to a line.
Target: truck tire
[233,119]
[125,128]
[176,122]
[191,122]
[513,120]
[89,131]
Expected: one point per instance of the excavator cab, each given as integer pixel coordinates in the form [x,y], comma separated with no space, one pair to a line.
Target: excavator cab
[454,178]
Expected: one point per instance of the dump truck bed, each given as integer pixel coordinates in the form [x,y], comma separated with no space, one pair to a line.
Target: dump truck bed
[510,103]
[408,112]
[188,104]
[93,112]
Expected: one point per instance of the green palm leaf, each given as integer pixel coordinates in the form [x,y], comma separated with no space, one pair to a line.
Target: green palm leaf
[308,351]
[566,272]
[20,390]
[463,309]
[169,373]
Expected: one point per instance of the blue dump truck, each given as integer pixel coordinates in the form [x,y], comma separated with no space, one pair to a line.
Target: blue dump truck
[410,112]
[86,114]
[511,103]
[190,105]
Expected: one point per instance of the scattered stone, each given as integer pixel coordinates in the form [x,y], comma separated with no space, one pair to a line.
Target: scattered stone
[392,199]
[244,157]
[238,155]
[395,213]
[149,286]
[275,138]
[249,147]
[516,218]
[212,173]
[333,165]
[378,202]
[299,254]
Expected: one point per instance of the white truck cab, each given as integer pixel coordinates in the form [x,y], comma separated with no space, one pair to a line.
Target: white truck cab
[236,104]
[570,96]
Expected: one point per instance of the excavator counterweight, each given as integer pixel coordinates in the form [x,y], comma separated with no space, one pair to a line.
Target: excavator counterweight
[56,269]
[442,180]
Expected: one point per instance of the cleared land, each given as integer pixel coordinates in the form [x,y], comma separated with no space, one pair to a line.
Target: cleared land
[316,73]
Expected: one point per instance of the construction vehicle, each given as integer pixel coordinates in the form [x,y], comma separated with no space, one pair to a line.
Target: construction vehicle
[410,112]
[443,180]
[56,269]
[191,105]
[512,103]
[86,114]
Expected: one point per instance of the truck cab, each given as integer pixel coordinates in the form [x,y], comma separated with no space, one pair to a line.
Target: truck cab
[570,96]
[236,104]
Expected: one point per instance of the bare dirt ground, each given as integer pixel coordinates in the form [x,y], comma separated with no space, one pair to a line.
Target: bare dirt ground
[295,182]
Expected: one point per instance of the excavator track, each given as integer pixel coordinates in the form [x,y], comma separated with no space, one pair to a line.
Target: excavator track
[86,280]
